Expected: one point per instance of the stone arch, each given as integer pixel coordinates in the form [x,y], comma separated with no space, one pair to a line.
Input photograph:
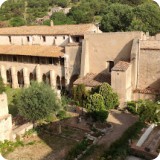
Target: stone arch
[48,79]
[63,82]
[9,77]
[58,82]
[32,77]
[44,78]
[20,78]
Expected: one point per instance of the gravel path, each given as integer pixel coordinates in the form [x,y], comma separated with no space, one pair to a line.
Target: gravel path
[121,122]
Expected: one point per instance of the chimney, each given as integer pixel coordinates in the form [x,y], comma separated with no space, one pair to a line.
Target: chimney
[51,23]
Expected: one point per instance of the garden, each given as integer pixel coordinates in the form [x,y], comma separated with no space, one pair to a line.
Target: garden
[72,126]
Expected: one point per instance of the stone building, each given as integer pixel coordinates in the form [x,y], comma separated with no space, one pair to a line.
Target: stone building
[43,53]
[129,61]
[61,55]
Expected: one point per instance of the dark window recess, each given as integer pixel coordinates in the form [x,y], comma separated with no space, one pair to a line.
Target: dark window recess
[50,60]
[111,65]
[62,62]
[27,39]
[77,39]
[64,37]
[14,59]
[10,40]
[44,38]
[55,37]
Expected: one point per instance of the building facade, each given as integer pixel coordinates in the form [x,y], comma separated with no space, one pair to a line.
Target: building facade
[67,54]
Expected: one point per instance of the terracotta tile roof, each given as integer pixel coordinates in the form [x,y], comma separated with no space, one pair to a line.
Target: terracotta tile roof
[147,91]
[92,80]
[150,45]
[32,50]
[74,44]
[121,66]
[79,29]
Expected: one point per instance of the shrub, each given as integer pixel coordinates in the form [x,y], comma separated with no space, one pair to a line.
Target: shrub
[95,102]
[37,102]
[62,114]
[77,150]
[99,115]
[146,109]
[80,94]
[2,87]
[110,98]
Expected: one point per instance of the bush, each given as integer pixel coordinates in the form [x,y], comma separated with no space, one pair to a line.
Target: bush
[77,150]
[110,98]
[131,107]
[94,103]
[62,114]
[99,115]
[8,146]
[146,109]
[2,87]
[80,94]
[37,102]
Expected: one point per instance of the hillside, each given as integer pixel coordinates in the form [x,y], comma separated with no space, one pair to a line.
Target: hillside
[113,15]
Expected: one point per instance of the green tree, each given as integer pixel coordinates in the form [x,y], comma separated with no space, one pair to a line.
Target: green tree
[146,18]
[80,94]
[111,99]
[96,108]
[148,111]
[82,13]
[95,102]
[2,86]
[37,102]
[17,21]
[117,17]
[59,18]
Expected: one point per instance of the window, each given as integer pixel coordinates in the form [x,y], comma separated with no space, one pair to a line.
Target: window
[55,37]
[77,39]
[10,40]
[44,38]
[14,59]
[110,65]
[64,37]
[27,38]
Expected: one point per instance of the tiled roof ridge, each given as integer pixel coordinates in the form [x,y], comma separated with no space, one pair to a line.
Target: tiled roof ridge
[121,66]
[32,50]
[71,29]
[147,91]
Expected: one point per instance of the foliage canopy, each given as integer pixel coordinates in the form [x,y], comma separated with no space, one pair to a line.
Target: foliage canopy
[37,102]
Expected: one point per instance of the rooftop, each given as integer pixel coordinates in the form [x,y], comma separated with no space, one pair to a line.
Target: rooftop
[148,91]
[121,66]
[33,50]
[92,80]
[79,29]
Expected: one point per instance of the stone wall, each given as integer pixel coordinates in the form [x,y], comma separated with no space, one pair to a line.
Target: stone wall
[60,40]
[5,119]
[149,69]
[109,47]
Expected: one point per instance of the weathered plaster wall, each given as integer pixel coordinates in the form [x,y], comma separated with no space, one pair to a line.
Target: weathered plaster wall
[109,47]
[5,119]
[74,53]
[121,83]
[149,69]
[60,40]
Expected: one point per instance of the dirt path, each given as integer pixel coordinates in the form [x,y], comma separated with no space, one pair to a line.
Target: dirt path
[120,122]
